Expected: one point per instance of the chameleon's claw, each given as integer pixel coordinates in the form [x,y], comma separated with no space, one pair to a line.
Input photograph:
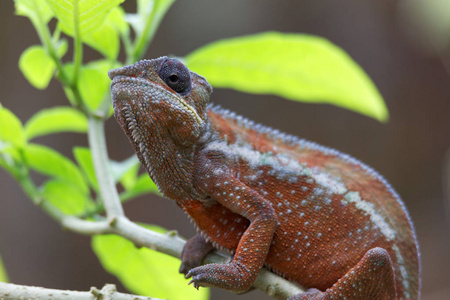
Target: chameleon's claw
[194,283]
[220,275]
[188,274]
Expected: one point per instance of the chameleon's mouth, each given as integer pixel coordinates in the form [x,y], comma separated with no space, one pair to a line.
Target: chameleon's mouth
[136,81]
[126,88]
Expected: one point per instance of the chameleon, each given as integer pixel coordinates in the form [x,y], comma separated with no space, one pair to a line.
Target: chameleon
[317,217]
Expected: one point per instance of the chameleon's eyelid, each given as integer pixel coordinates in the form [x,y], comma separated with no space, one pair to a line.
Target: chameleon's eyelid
[187,106]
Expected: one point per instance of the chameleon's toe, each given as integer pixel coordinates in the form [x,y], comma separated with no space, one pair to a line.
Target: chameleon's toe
[202,276]
[195,284]
[226,276]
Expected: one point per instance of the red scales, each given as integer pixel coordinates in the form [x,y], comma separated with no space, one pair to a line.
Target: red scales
[315,216]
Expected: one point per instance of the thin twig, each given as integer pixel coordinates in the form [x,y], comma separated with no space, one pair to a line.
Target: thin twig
[107,187]
[9,291]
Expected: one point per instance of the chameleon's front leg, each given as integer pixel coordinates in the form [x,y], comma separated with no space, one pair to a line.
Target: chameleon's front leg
[251,252]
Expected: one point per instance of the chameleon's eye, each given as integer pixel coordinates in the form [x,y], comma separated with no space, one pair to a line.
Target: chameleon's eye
[176,75]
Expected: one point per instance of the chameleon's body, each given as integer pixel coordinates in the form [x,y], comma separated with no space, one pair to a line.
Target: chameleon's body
[309,213]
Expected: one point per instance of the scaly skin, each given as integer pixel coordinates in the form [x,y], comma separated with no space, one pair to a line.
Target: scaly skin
[309,213]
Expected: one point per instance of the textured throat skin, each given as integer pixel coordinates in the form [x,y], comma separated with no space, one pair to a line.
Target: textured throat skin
[309,213]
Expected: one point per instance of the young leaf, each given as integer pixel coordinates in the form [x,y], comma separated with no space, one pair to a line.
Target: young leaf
[84,160]
[11,130]
[144,271]
[93,82]
[34,9]
[49,162]
[89,17]
[105,40]
[295,66]
[37,66]
[143,185]
[129,179]
[117,19]
[3,274]
[66,197]
[56,119]
[145,23]
[119,169]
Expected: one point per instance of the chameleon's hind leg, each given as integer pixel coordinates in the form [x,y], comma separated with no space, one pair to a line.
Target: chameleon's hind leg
[371,279]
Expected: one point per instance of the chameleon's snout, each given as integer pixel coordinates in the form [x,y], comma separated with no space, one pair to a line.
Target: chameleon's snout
[138,69]
[126,71]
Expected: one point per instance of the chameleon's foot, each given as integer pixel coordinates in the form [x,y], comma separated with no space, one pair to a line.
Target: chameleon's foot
[231,276]
[372,279]
[193,253]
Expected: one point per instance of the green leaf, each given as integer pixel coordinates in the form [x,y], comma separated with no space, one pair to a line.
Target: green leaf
[3,274]
[49,162]
[144,271]
[10,158]
[119,169]
[93,82]
[84,159]
[34,9]
[66,197]
[56,119]
[143,185]
[117,19]
[37,66]
[295,66]
[105,40]
[91,14]
[11,130]
[144,10]
[129,179]
[145,23]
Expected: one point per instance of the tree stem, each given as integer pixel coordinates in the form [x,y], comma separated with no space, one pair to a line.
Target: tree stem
[9,291]
[107,188]
[144,39]
[78,46]
[46,40]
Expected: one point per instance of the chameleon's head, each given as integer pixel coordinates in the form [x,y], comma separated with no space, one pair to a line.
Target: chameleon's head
[160,90]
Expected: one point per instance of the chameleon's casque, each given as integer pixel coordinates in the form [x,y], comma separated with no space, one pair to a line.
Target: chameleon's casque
[316,216]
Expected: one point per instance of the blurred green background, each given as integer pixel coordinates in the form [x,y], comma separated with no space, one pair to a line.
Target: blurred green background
[404,49]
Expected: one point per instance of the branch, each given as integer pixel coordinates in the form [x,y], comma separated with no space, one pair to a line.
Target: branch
[170,243]
[9,291]
[107,187]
